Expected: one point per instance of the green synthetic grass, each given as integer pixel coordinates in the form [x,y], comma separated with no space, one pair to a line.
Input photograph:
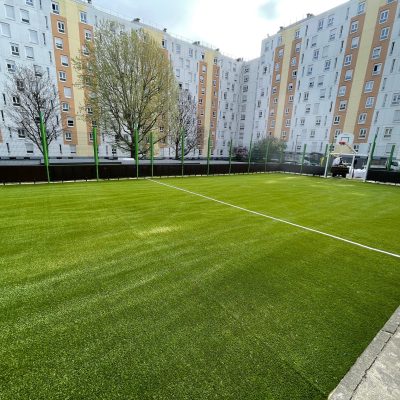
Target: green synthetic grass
[132,290]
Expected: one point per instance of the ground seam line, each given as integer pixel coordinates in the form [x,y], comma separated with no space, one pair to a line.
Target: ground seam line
[279,220]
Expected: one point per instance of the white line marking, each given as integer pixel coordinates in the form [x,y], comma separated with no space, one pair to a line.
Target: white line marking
[279,220]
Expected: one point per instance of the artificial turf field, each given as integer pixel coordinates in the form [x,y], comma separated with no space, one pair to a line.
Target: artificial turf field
[133,290]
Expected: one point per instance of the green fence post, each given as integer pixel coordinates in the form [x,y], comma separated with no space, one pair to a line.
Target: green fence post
[183,151]
[137,152]
[152,154]
[208,153]
[302,158]
[266,156]
[391,157]
[96,152]
[44,146]
[230,156]
[326,153]
[250,151]
[371,156]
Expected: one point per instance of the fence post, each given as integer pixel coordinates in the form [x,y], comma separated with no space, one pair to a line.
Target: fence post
[230,156]
[250,151]
[266,156]
[183,151]
[208,153]
[44,146]
[391,158]
[137,152]
[371,156]
[302,158]
[96,152]
[152,154]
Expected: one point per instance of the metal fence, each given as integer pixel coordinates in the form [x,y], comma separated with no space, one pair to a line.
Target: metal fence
[79,172]
[82,172]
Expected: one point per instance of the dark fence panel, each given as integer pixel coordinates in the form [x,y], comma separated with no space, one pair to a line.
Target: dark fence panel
[62,173]
[383,176]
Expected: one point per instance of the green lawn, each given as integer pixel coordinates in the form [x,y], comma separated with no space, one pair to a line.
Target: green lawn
[132,290]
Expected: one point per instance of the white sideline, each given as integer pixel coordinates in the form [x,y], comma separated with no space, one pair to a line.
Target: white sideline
[279,220]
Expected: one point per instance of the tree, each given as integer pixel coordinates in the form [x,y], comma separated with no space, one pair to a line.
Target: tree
[185,121]
[129,84]
[275,148]
[31,93]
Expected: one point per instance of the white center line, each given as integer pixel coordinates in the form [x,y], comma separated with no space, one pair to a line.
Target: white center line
[279,220]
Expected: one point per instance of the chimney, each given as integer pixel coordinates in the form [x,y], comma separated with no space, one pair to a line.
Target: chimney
[136,20]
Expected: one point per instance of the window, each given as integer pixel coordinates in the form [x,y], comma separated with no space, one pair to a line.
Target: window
[312,133]
[388,133]
[59,43]
[338,132]
[354,27]
[327,65]
[343,105]
[65,107]
[316,54]
[293,61]
[332,34]
[11,66]
[396,117]
[83,17]
[5,29]
[368,87]
[21,133]
[25,16]
[336,120]
[314,41]
[297,34]
[306,95]
[311,83]
[70,122]
[290,87]
[377,69]
[363,133]
[320,24]
[16,101]
[309,70]
[348,59]
[355,42]
[383,16]
[60,27]
[29,53]
[302,121]
[361,8]
[384,33]
[67,92]
[278,77]
[396,99]
[308,109]
[376,52]
[370,102]
[29,2]
[38,70]
[62,76]
[294,74]
[280,53]
[68,136]
[85,51]
[88,35]
[349,75]
[10,13]
[331,20]
[322,93]
[14,49]
[298,46]
[362,118]
[33,37]
[64,61]
[55,7]
[342,91]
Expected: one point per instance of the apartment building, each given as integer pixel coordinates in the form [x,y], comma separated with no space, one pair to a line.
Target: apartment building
[333,77]
[326,78]
[61,30]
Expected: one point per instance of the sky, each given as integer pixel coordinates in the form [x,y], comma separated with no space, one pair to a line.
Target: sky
[235,27]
